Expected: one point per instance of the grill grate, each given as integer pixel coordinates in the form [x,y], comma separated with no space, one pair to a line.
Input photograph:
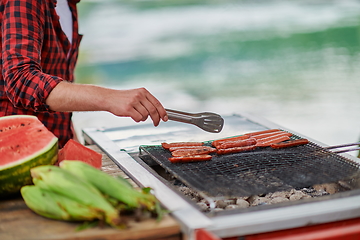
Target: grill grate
[261,171]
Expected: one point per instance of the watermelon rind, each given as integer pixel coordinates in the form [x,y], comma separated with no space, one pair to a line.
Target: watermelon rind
[13,178]
[17,174]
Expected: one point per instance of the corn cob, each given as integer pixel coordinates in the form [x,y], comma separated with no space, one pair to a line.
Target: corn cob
[42,202]
[56,206]
[64,182]
[113,187]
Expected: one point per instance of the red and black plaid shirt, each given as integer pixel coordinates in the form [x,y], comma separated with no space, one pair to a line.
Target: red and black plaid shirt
[34,60]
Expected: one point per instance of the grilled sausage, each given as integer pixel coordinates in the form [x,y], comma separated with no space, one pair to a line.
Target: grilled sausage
[220,141]
[265,135]
[235,150]
[291,143]
[238,143]
[192,152]
[215,143]
[178,144]
[195,158]
[191,147]
[266,142]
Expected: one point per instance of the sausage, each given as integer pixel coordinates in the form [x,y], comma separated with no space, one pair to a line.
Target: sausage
[265,135]
[238,143]
[291,143]
[235,149]
[262,132]
[191,147]
[178,144]
[191,152]
[220,141]
[195,158]
[215,143]
[273,136]
[266,142]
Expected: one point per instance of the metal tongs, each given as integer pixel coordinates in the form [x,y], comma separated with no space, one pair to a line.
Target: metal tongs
[345,145]
[210,122]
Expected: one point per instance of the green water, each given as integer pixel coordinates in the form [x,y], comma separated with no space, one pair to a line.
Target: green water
[295,63]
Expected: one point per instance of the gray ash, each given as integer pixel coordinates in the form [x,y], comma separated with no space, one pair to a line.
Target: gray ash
[257,200]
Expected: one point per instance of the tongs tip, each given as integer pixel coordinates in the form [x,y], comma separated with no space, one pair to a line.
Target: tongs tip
[210,122]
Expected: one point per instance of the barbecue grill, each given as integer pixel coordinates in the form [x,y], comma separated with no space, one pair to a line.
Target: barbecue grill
[136,150]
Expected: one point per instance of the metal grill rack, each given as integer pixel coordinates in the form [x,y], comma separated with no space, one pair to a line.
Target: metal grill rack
[261,171]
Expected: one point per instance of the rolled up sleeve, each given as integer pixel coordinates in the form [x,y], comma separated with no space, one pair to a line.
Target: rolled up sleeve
[23,29]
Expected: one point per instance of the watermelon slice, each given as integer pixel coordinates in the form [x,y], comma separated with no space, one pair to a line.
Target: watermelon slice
[76,151]
[24,143]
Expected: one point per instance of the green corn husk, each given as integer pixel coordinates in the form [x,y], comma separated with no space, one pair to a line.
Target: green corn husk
[42,203]
[63,182]
[114,187]
[57,206]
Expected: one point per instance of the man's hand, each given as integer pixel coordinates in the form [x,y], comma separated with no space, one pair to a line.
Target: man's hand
[135,103]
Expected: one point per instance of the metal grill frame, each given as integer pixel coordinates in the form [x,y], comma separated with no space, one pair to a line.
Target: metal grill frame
[260,219]
[259,171]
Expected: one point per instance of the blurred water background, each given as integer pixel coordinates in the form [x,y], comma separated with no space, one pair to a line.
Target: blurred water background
[295,63]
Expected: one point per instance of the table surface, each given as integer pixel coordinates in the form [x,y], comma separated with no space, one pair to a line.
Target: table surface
[18,222]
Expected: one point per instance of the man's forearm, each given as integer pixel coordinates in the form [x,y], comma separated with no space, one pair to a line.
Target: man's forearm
[70,97]
[135,103]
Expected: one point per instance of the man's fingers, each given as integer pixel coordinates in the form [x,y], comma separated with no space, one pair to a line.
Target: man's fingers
[150,110]
[156,107]
[153,107]
[141,109]
[135,115]
[139,104]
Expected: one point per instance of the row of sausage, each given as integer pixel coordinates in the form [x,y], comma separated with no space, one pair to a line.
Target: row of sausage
[196,151]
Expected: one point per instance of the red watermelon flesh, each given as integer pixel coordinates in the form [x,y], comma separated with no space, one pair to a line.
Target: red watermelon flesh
[24,143]
[76,151]
[21,136]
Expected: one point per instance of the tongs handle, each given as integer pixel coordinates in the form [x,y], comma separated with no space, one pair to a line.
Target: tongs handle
[344,145]
[179,116]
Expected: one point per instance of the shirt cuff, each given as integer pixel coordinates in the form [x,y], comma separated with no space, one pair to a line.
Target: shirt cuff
[46,85]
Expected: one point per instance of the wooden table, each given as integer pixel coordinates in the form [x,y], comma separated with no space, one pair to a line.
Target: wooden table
[18,222]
